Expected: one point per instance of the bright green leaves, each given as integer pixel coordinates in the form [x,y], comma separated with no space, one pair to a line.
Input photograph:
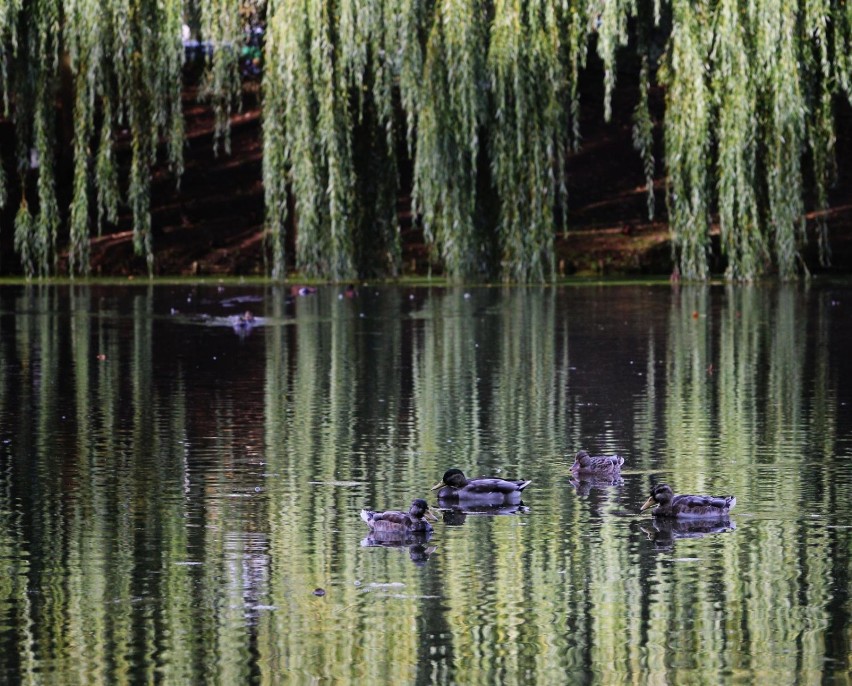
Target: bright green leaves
[735,93]
[481,95]
[529,137]
[222,29]
[749,101]
[687,136]
[451,109]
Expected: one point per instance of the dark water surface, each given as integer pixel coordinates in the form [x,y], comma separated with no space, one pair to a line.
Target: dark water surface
[173,488]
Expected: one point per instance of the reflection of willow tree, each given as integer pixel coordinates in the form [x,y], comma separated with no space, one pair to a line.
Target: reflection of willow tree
[762,419]
[323,379]
[106,523]
[689,396]
[484,92]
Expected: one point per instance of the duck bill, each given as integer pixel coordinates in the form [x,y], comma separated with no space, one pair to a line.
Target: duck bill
[437,486]
[431,515]
[650,502]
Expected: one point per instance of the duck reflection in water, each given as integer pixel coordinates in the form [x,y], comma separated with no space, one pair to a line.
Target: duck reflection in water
[664,531]
[456,516]
[415,541]
[585,483]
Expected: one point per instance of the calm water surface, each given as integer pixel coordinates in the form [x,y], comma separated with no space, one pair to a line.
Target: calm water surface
[173,489]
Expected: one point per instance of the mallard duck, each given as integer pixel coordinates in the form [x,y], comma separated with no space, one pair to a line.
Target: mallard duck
[598,465]
[416,520]
[485,491]
[668,504]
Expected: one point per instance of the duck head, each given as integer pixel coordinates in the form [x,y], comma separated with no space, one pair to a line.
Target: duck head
[452,477]
[581,458]
[420,508]
[661,494]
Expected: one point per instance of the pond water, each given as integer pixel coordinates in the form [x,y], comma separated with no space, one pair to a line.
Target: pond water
[180,493]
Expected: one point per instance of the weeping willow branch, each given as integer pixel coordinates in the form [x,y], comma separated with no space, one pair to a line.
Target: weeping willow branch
[482,95]
[687,137]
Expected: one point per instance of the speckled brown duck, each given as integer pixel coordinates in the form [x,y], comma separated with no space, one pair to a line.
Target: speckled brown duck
[456,487]
[416,520]
[667,504]
[597,465]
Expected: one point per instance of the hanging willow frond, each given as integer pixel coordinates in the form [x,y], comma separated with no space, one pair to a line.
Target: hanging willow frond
[528,136]
[743,238]
[783,107]
[221,27]
[106,172]
[487,94]
[643,135]
[276,168]
[24,238]
[687,136]
[816,62]
[452,104]
[611,24]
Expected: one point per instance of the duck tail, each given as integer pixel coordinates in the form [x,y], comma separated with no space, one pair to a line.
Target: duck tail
[367,515]
[730,501]
[524,485]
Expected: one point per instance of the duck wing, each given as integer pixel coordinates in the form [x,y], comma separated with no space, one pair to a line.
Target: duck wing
[702,505]
[597,464]
[385,521]
[484,486]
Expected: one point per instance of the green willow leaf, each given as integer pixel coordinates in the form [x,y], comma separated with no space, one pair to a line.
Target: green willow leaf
[473,105]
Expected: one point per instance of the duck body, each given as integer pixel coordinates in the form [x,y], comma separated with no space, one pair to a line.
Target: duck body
[596,465]
[416,520]
[686,506]
[455,487]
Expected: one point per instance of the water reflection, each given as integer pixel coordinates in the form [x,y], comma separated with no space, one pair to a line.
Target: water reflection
[664,531]
[454,515]
[415,542]
[171,494]
[586,483]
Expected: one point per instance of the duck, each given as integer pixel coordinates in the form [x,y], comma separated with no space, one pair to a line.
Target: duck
[684,506]
[455,486]
[244,322]
[596,465]
[416,520]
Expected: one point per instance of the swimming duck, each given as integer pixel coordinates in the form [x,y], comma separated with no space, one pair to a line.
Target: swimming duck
[416,520]
[668,504]
[599,465]
[485,491]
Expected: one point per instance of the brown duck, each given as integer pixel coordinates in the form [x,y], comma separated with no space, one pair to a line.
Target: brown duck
[668,504]
[596,465]
[416,520]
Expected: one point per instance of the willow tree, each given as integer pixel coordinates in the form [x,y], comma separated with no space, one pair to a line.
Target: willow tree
[115,70]
[481,95]
[480,91]
[750,89]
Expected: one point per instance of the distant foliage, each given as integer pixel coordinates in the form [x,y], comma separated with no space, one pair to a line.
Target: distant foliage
[482,95]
